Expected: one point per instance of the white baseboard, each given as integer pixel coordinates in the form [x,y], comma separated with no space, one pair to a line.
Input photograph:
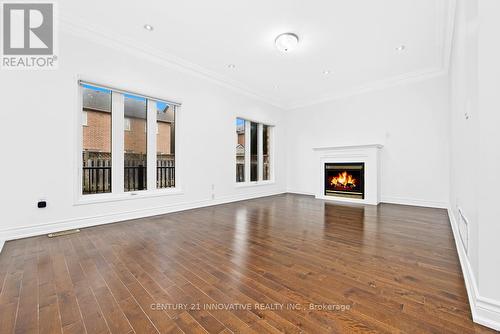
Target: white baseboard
[298,192]
[484,311]
[414,202]
[82,222]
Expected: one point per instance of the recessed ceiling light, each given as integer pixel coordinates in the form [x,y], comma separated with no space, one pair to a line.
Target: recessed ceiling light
[401,48]
[231,66]
[286,42]
[326,72]
[148,27]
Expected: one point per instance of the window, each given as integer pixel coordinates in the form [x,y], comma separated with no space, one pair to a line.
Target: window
[240,150]
[254,160]
[266,149]
[96,140]
[140,127]
[135,141]
[253,152]
[165,145]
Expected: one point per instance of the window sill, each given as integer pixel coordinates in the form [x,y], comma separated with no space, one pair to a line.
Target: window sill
[103,198]
[254,184]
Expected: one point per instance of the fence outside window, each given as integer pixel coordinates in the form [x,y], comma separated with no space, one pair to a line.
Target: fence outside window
[97,173]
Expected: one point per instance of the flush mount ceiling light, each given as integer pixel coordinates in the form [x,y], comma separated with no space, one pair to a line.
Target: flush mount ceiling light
[401,48]
[148,27]
[231,66]
[326,72]
[286,42]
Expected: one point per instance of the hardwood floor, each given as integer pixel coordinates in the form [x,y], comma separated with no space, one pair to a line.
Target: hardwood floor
[285,263]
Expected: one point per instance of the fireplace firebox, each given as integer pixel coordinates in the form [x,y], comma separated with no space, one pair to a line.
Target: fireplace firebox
[345,180]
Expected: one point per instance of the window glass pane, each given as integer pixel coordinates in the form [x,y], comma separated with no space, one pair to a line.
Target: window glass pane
[266,151]
[135,143]
[96,130]
[253,151]
[165,145]
[240,150]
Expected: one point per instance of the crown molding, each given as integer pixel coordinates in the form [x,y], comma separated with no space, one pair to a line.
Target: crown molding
[83,29]
[444,35]
[400,80]
[119,42]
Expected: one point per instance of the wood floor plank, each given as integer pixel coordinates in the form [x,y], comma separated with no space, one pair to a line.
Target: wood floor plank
[48,307]
[269,265]
[27,314]
[93,318]
[71,318]
[138,319]
[130,287]
[9,296]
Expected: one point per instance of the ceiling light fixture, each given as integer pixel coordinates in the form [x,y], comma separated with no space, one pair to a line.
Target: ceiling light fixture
[326,72]
[401,48]
[286,42]
[148,27]
[231,66]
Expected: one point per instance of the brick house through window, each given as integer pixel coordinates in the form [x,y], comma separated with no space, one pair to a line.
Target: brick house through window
[97,137]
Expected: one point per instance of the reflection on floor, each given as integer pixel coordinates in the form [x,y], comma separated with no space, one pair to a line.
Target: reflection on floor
[285,263]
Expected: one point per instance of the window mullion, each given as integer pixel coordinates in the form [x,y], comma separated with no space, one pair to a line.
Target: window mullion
[151,144]
[271,134]
[117,142]
[247,151]
[260,152]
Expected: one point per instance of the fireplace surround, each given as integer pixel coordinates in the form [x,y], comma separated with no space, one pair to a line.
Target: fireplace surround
[348,173]
[345,179]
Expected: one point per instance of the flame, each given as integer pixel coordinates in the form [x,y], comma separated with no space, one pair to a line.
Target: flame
[344,180]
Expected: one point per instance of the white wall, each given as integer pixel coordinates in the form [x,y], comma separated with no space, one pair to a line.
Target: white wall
[38,117]
[489,153]
[432,156]
[475,153]
[464,152]
[410,120]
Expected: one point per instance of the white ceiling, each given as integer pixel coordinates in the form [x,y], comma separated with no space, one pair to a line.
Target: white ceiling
[356,40]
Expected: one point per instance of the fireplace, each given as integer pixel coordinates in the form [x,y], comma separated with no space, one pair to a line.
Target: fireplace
[361,162]
[345,180]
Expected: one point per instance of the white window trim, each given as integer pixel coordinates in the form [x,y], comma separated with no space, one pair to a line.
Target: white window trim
[260,158]
[85,118]
[127,123]
[117,144]
[260,153]
[248,137]
[117,152]
[151,120]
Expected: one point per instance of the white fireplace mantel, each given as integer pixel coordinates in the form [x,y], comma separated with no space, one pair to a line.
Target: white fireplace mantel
[379,146]
[368,154]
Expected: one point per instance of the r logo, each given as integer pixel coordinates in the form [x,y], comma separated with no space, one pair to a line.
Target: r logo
[28,29]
